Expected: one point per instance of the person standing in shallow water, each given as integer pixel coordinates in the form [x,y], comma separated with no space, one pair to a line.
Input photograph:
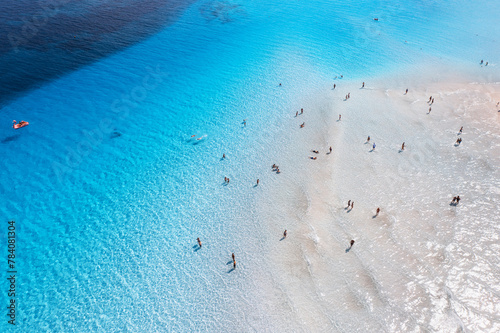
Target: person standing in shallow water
[199,241]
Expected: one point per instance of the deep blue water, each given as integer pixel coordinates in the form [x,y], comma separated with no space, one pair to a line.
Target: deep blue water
[107,186]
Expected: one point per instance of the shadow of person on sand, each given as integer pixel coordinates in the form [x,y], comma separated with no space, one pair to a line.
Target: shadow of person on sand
[349,210]
[374,216]
[400,151]
[371,151]
[282,238]
[348,249]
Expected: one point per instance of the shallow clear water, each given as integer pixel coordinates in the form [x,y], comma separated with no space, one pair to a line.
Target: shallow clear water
[110,191]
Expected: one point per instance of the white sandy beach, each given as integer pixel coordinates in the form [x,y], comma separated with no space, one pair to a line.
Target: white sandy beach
[422,265]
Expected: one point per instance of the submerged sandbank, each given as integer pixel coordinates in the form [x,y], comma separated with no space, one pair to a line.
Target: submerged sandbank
[422,264]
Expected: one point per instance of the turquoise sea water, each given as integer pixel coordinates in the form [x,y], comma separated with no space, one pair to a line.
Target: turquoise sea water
[109,190]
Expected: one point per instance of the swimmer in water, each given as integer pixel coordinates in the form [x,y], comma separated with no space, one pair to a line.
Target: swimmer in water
[193,135]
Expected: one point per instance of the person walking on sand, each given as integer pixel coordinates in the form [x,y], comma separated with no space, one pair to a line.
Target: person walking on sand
[432,102]
[302,125]
[352,242]
[334,86]
[406,92]
[461,129]
[199,241]
[458,199]
[340,117]
[233,257]
[374,145]
[257,181]
[330,149]
[378,211]
[368,139]
[352,205]
[363,85]
[429,110]
[301,111]
[349,95]
[234,264]
[453,200]
[348,203]
[284,234]
[430,99]
[296,113]
[403,146]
